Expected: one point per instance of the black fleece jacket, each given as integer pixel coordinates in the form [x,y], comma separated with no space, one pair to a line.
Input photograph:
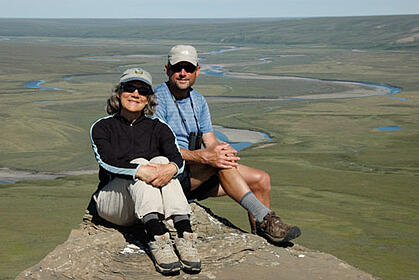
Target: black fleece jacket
[116,142]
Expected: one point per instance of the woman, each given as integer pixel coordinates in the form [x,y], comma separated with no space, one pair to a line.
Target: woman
[139,159]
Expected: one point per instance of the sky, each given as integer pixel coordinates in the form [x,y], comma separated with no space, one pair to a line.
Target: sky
[202,8]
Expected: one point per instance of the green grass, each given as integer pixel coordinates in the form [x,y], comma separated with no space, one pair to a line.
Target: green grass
[351,188]
[36,216]
[377,32]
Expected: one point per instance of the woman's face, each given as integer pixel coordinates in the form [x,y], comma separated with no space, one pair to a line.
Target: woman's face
[134,96]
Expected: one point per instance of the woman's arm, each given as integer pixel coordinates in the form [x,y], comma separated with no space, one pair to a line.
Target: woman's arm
[169,148]
[160,174]
[157,175]
[100,136]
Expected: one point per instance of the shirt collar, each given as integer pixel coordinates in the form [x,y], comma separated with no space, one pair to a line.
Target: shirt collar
[121,118]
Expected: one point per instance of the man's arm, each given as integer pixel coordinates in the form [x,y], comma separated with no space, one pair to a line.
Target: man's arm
[215,154]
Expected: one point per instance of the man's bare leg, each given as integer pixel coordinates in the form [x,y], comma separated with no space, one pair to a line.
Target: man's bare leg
[231,181]
[233,184]
[259,183]
[201,173]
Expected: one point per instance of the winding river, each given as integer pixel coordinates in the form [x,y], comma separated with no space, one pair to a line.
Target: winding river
[219,70]
[8,176]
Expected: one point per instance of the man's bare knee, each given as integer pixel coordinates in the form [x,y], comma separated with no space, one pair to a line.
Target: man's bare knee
[258,180]
[264,182]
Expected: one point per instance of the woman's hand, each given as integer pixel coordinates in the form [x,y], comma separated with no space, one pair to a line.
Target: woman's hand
[157,175]
[165,173]
[146,173]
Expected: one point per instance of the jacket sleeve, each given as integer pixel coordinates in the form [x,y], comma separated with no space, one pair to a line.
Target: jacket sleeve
[169,147]
[104,153]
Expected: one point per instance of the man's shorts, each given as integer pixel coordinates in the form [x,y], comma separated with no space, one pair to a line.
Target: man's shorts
[203,191]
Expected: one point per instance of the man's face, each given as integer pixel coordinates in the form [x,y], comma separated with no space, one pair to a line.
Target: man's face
[182,75]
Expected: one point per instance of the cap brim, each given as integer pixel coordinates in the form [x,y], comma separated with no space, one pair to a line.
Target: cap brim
[174,61]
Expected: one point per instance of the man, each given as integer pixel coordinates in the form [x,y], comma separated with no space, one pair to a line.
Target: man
[213,170]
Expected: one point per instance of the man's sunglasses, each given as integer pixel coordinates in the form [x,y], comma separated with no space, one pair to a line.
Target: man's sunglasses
[141,90]
[178,68]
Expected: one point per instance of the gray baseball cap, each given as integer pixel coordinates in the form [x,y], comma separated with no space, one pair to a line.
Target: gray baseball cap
[181,53]
[136,74]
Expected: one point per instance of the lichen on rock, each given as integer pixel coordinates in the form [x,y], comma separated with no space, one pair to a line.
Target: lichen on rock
[98,250]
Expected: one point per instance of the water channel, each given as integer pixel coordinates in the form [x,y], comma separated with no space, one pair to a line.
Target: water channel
[219,71]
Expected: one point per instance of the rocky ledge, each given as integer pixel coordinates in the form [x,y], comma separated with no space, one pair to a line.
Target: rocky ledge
[99,251]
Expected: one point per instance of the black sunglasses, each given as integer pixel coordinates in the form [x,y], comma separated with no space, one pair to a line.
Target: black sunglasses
[141,90]
[178,67]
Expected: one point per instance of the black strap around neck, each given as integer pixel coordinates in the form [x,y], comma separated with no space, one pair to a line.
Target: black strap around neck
[180,112]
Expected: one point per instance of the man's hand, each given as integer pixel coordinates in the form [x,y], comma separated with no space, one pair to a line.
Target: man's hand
[157,175]
[221,156]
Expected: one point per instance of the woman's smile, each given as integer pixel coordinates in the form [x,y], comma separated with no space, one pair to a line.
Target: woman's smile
[132,102]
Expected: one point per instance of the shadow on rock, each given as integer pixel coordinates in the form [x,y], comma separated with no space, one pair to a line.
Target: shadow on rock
[101,250]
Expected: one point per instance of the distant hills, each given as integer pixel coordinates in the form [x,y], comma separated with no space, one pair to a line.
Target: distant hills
[377,32]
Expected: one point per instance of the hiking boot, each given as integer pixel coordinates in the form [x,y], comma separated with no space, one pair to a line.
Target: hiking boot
[273,229]
[164,258]
[188,254]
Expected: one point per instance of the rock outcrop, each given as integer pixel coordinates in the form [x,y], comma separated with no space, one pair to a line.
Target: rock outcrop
[98,251]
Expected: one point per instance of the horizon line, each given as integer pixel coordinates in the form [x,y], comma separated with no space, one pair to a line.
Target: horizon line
[214,18]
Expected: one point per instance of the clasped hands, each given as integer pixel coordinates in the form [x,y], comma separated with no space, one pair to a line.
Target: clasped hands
[222,156]
[158,175]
